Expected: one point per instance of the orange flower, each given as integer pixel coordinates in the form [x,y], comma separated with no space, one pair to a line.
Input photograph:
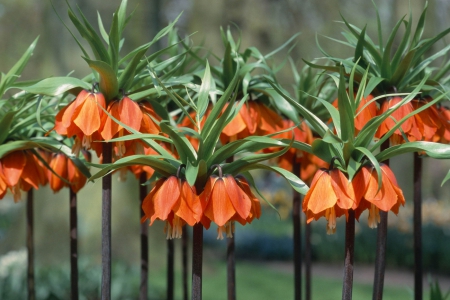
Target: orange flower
[65,169]
[137,116]
[21,170]
[174,201]
[225,201]
[443,132]
[254,118]
[409,127]
[330,195]
[427,120]
[82,118]
[367,195]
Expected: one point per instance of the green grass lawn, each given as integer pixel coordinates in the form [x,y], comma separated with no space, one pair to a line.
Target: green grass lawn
[260,281]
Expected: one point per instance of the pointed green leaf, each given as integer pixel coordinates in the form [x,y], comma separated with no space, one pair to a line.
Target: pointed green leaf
[109,85]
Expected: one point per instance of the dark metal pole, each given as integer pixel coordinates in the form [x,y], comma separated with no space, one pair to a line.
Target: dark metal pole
[30,246]
[143,289]
[106,226]
[297,238]
[185,243]
[349,255]
[197,261]
[170,269]
[73,224]
[380,256]
[418,269]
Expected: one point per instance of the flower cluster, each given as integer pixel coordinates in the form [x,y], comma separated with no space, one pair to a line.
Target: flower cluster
[224,200]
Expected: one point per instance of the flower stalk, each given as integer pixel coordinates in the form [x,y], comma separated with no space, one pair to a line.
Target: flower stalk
[197,262]
[73,225]
[349,255]
[417,216]
[106,226]
[143,289]
[30,246]
[297,237]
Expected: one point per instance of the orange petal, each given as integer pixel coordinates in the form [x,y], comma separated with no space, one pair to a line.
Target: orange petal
[235,126]
[32,172]
[110,127]
[130,113]
[59,166]
[343,189]
[13,165]
[76,178]
[87,117]
[219,208]
[67,117]
[166,197]
[241,205]
[147,204]
[321,194]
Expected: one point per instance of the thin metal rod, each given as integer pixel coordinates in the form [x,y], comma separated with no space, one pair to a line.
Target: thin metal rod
[308,259]
[73,225]
[143,288]
[349,255]
[106,226]
[30,246]
[418,268]
[380,256]
[170,269]
[231,269]
[184,255]
[197,261]
[297,232]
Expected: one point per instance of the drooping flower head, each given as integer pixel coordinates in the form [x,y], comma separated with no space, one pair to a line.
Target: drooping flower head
[226,199]
[173,200]
[254,118]
[20,171]
[66,174]
[369,195]
[82,118]
[330,196]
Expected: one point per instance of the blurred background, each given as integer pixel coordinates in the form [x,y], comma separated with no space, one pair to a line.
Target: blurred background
[265,24]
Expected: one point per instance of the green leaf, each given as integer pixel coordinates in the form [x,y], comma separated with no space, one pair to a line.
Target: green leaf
[372,84]
[434,150]
[184,148]
[10,77]
[191,173]
[295,182]
[346,111]
[127,76]
[374,162]
[109,85]
[446,178]
[55,86]
[5,125]
[155,162]
[203,94]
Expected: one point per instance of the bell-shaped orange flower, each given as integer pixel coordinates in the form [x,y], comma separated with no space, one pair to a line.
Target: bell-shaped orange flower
[409,127]
[67,174]
[427,120]
[172,200]
[21,170]
[330,195]
[367,195]
[254,118]
[82,118]
[224,201]
[140,117]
